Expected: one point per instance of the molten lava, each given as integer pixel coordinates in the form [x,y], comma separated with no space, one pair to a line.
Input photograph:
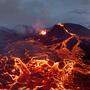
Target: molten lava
[43,32]
[52,67]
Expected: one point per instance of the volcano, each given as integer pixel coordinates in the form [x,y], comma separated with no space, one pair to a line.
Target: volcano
[54,58]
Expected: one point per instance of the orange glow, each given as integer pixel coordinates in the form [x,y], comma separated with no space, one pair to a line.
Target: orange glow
[62,25]
[50,69]
[43,32]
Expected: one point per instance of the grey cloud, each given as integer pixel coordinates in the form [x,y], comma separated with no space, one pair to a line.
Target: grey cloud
[14,12]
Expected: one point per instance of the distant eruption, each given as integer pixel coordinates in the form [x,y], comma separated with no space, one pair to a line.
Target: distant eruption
[54,64]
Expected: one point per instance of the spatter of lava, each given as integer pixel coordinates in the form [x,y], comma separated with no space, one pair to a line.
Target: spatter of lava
[57,64]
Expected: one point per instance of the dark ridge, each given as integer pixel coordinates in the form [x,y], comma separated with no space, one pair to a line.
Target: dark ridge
[77,29]
[85,45]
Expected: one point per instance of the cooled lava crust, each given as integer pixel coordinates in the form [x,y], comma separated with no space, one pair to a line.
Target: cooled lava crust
[56,58]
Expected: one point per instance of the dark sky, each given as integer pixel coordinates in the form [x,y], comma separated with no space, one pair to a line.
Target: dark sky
[47,12]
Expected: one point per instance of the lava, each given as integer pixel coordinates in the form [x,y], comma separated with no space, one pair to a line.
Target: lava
[43,32]
[52,66]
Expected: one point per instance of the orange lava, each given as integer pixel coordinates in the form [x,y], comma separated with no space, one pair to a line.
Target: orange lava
[42,72]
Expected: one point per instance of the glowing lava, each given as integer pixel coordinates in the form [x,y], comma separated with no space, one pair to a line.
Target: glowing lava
[52,68]
[43,32]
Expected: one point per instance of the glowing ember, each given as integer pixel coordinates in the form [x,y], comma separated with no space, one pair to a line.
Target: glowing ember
[43,32]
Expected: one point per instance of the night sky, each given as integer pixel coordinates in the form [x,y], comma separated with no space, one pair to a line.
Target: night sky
[47,12]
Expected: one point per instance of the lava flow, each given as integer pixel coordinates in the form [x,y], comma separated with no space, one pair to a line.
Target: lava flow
[52,60]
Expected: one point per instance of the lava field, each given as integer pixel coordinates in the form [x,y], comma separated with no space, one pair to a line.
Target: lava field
[54,58]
